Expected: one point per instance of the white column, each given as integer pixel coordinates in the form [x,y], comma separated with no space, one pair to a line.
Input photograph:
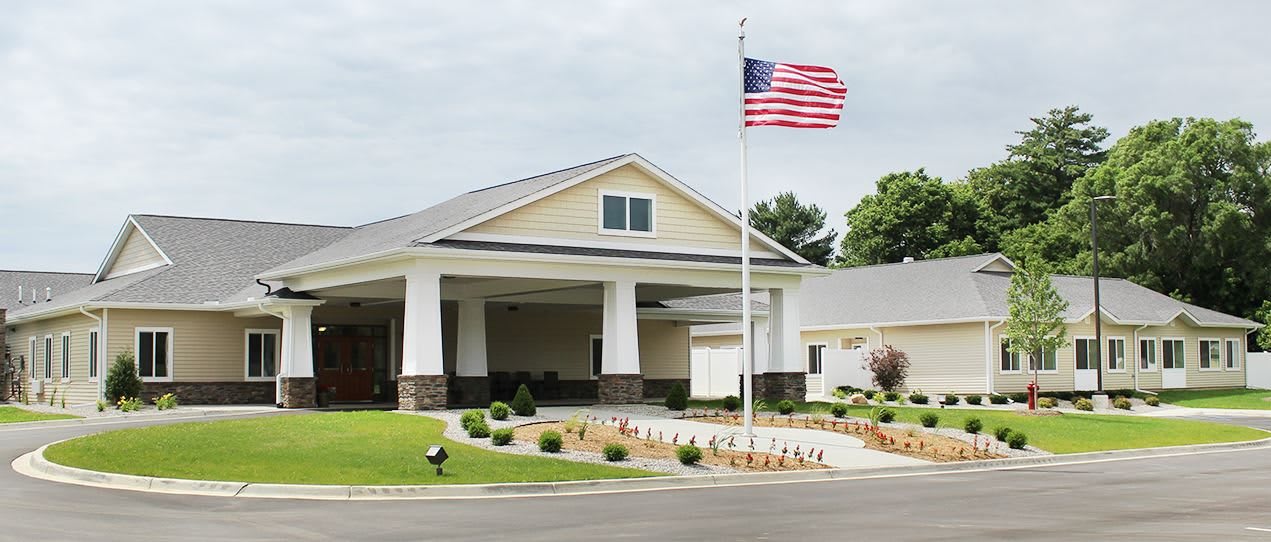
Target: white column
[471,356]
[760,338]
[786,345]
[421,326]
[297,342]
[620,347]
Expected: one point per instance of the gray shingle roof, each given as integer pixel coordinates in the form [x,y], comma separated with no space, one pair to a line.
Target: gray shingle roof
[951,289]
[611,253]
[212,260]
[37,281]
[403,231]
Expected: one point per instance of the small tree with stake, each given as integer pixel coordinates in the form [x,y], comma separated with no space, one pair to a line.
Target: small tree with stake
[1036,322]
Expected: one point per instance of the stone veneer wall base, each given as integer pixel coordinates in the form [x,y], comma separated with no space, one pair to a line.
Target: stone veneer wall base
[620,389]
[421,392]
[779,386]
[299,392]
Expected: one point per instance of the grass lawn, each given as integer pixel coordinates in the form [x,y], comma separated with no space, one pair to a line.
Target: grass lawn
[1232,398]
[1070,433]
[355,448]
[10,414]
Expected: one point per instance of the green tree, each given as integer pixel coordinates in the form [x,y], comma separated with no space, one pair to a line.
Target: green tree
[1192,216]
[1036,314]
[1264,335]
[122,380]
[796,226]
[911,214]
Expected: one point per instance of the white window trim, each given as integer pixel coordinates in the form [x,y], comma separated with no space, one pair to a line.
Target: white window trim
[93,352]
[807,363]
[136,348]
[1215,365]
[247,334]
[47,360]
[66,356]
[1098,363]
[1003,340]
[1156,351]
[33,344]
[591,354]
[1125,358]
[1161,351]
[653,214]
[1240,352]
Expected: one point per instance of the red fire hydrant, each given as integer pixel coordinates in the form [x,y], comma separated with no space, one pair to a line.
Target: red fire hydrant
[1032,396]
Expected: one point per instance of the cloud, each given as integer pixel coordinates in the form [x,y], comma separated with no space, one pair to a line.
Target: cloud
[345,113]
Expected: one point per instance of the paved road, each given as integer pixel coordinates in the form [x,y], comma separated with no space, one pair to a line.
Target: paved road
[1201,497]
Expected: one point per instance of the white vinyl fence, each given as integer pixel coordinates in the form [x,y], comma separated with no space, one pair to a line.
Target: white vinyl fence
[844,368]
[1258,369]
[715,372]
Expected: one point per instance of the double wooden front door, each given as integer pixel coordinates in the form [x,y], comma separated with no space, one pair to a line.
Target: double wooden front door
[347,363]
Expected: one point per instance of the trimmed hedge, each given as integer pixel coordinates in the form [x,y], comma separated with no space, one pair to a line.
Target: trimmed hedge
[523,402]
[550,441]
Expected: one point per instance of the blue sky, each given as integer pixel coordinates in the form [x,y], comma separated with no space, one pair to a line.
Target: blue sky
[349,112]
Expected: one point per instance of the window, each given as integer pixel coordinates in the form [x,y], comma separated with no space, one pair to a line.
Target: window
[154,353]
[262,354]
[1116,355]
[1210,355]
[66,356]
[1233,354]
[597,349]
[1087,354]
[1147,355]
[1048,358]
[816,353]
[1172,356]
[627,214]
[1010,361]
[92,356]
[48,357]
[30,365]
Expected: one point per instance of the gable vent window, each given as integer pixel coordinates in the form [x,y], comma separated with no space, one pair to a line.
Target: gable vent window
[629,214]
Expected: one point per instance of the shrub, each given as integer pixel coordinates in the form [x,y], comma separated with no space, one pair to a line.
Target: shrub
[1047,402]
[886,415]
[129,405]
[1152,400]
[677,398]
[891,396]
[839,410]
[614,452]
[122,380]
[101,405]
[1017,440]
[1121,403]
[1001,433]
[889,367]
[974,400]
[165,401]
[1019,397]
[951,399]
[688,454]
[501,437]
[500,410]
[918,398]
[523,402]
[998,399]
[973,425]
[470,417]
[549,441]
[1083,404]
[869,394]
[478,428]
[929,419]
[731,403]
[785,406]
[839,393]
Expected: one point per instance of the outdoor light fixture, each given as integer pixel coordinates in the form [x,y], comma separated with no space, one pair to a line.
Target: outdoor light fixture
[436,455]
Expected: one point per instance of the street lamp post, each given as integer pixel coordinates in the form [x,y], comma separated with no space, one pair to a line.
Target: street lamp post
[1098,329]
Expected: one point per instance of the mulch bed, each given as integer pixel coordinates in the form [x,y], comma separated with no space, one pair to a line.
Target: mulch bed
[908,442]
[739,458]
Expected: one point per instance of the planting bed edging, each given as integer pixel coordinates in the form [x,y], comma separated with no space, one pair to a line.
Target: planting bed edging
[33,464]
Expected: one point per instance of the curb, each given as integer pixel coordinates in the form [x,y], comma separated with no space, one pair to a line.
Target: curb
[34,465]
[110,420]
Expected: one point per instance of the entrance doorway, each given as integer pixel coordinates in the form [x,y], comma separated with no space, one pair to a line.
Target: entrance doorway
[347,363]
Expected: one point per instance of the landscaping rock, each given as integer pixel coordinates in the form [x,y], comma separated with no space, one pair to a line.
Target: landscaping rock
[858,399]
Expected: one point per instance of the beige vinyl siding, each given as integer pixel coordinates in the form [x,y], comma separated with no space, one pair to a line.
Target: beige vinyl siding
[942,358]
[137,254]
[206,346]
[717,341]
[573,214]
[1191,336]
[79,389]
[557,338]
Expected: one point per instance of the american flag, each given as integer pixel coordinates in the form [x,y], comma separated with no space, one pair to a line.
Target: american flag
[792,95]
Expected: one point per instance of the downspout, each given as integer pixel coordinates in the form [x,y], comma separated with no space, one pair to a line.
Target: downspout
[988,354]
[1138,361]
[278,378]
[101,332]
[880,336]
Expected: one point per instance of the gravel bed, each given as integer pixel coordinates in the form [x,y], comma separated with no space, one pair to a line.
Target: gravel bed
[645,410]
[456,433]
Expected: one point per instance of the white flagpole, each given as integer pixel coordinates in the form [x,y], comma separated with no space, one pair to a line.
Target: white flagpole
[747,333]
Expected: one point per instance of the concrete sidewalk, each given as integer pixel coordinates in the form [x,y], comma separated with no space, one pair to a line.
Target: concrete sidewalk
[1184,412]
[841,451]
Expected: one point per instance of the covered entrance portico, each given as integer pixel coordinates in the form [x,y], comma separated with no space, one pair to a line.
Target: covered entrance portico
[473,328]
